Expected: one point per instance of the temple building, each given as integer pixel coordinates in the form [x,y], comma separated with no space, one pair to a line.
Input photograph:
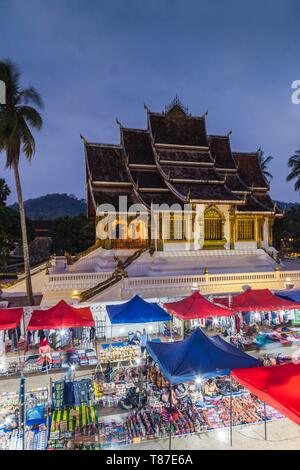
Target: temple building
[200,194]
[175,209]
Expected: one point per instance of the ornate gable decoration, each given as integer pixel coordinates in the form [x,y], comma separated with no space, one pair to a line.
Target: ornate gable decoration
[177,107]
[212,212]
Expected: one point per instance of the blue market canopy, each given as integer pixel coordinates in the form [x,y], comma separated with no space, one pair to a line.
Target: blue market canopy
[290,294]
[198,356]
[136,310]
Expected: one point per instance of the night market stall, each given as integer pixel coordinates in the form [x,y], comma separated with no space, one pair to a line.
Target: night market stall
[138,314]
[10,336]
[82,417]
[197,358]
[66,337]
[196,307]
[277,386]
[294,296]
[24,419]
[264,319]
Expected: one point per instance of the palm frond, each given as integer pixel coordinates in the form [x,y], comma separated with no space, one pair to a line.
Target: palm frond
[17,116]
[30,95]
[27,140]
[31,115]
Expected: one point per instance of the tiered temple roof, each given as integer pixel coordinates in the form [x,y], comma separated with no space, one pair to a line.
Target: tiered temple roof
[174,161]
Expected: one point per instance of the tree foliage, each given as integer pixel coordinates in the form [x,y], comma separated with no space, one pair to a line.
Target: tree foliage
[72,234]
[288,226]
[294,165]
[264,165]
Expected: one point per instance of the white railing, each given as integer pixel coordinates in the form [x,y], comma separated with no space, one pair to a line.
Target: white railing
[68,281]
[208,283]
[175,285]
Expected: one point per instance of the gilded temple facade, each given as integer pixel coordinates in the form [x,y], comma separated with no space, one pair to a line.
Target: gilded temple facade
[180,188]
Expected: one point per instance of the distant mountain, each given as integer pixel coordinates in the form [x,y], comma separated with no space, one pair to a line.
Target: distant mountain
[53,206]
[286,205]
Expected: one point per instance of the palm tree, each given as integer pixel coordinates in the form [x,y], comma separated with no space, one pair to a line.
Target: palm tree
[294,164]
[264,164]
[17,117]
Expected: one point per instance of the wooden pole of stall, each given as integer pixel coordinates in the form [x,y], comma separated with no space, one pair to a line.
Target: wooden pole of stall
[51,391]
[22,412]
[170,432]
[25,337]
[265,420]
[231,411]
[146,381]
[47,413]
[111,341]
[17,344]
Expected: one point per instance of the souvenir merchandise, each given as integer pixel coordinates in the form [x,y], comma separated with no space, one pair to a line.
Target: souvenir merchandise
[68,393]
[72,423]
[36,418]
[118,353]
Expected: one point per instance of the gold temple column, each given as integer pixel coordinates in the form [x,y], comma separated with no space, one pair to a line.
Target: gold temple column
[270,231]
[259,222]
[160,243]
[232,227]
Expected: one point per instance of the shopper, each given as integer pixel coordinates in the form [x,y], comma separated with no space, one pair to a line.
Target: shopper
[144,339]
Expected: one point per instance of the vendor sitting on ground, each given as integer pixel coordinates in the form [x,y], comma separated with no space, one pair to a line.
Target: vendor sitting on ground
[165,396]
[223,384]
[210,389]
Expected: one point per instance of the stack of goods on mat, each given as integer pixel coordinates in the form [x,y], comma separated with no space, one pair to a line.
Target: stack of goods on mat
[83,427]
[59,359]
[72,393]
[245,343]
[81,357]
[36,432]
[118,353]
[72,423]
[10,368]
[247,409]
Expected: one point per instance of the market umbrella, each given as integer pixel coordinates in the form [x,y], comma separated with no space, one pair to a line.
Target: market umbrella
[61,316]
[196,306]
[258,300]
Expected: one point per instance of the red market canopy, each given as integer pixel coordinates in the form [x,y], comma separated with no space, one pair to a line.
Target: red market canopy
[61,316]
[258,300]
[278,386]
[10,318]
[196,306]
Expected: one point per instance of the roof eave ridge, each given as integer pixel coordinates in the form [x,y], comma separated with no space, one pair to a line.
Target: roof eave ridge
[133,129]
[261,204]
[184,163]
[252,154]
[139,197]
[208,181]
[102,144]
[220,136]
[230,192]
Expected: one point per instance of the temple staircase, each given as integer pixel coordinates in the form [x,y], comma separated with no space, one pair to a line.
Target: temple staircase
[118,275]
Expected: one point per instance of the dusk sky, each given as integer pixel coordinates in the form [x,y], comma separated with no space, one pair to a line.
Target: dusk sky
[95,60]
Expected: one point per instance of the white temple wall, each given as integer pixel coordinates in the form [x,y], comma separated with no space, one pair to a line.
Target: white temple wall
[265,242]
[199,227]
[249,245]
[224,208]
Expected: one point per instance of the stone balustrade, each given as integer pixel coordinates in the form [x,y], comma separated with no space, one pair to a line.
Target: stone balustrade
[78,281]
[207,283]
